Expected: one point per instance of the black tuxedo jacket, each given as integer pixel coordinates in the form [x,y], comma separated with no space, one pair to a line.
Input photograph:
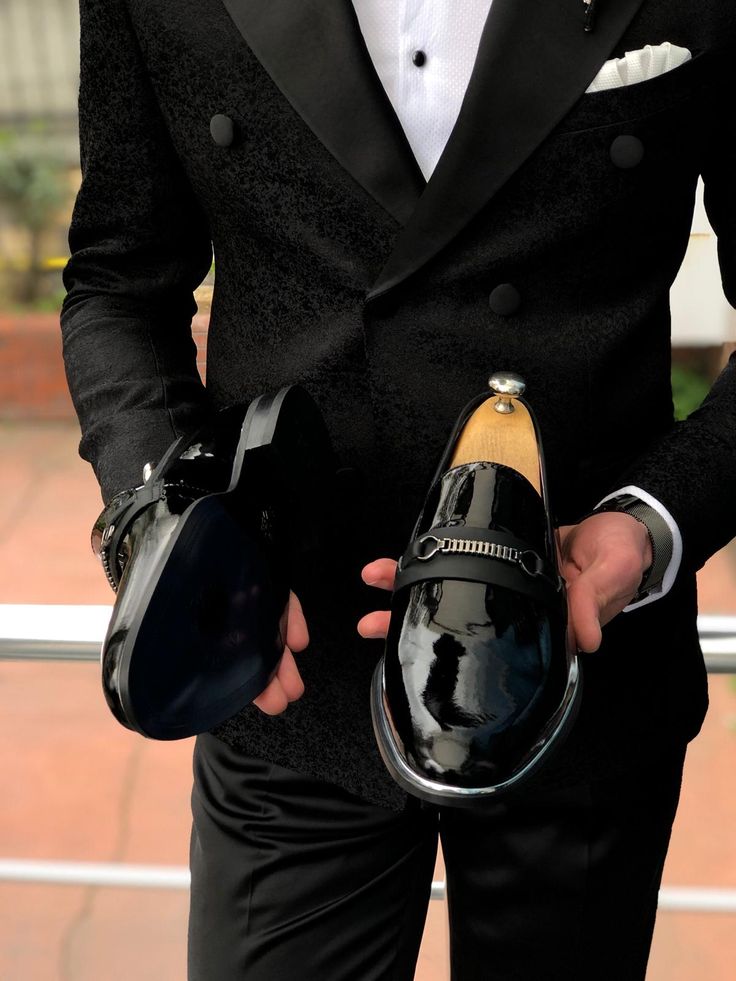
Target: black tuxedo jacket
[338,267]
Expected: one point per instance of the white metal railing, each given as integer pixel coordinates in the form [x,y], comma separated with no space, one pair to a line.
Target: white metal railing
[690,899]
[52,632]
[74,633]
[58,632]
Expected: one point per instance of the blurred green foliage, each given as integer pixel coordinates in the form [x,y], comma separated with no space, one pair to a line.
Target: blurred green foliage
[689,388]
[32,189]
[47,302]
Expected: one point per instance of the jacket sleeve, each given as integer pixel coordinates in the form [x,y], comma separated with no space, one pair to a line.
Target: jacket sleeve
[139,245]
[692,468]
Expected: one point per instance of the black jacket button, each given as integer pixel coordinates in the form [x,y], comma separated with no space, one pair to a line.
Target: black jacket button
[222,129]
[626,151]
[418,58]
[505,299]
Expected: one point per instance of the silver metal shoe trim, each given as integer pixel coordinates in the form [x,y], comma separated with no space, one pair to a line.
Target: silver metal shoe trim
[391,747]
[528,559]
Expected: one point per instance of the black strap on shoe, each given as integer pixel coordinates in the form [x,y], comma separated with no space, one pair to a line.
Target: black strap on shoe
[478,555]
[114,521]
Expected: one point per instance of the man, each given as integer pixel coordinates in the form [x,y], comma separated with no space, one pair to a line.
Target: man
[545,242]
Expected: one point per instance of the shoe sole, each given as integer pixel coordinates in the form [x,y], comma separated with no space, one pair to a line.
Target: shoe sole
[167,678]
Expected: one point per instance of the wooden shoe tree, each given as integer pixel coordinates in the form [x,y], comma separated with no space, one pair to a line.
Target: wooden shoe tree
[500,437]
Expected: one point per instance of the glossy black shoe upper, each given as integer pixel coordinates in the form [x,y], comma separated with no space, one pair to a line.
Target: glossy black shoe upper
[476,685]
[199,620]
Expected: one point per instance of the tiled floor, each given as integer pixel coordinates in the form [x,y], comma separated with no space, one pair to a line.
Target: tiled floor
[78,786]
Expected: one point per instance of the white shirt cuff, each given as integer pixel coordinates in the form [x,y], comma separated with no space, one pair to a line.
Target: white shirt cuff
[674,564]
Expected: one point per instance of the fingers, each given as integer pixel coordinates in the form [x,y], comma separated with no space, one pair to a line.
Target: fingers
[374,625]
[289,677]
[297,635]
[380,573]
[272,699]
[285,686]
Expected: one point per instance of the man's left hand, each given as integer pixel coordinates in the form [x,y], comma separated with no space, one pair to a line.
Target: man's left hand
[602,560]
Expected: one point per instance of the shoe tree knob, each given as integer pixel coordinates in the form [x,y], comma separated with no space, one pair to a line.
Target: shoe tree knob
[508,387]
[511,441]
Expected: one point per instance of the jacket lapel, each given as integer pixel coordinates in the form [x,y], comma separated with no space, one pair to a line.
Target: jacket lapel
[534,61]
[314,52]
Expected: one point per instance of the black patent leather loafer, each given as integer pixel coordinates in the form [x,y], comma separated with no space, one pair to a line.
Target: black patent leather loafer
[200,556]
[476,687]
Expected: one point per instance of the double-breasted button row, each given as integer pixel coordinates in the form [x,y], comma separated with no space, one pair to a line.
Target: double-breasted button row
[626,151]
[222,129]
[505,299]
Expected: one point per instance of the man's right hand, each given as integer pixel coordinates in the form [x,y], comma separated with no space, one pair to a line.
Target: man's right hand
[286,685]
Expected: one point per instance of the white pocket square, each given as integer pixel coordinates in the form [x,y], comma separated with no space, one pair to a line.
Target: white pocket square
[639,65]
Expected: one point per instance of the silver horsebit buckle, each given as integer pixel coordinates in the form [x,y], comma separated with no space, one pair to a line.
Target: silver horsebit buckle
[528,559]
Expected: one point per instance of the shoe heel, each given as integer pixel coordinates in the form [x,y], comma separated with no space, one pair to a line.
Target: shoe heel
[285,451]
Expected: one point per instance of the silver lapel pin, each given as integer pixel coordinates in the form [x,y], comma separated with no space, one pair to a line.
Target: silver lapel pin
[589,23]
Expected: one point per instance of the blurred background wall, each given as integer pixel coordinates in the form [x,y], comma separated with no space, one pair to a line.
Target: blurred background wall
[39,78]
[39,67]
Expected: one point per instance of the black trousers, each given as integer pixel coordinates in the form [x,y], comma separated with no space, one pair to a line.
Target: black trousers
[294,877]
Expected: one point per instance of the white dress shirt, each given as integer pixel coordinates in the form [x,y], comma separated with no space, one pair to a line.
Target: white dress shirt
[425,97]
[424,53]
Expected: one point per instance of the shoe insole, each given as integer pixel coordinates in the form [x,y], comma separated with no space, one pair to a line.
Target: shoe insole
[500,437]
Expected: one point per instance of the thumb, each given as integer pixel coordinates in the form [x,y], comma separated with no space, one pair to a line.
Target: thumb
[583,608]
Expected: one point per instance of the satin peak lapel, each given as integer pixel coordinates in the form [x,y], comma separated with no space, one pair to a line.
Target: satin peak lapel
[315,54]
[534,61]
